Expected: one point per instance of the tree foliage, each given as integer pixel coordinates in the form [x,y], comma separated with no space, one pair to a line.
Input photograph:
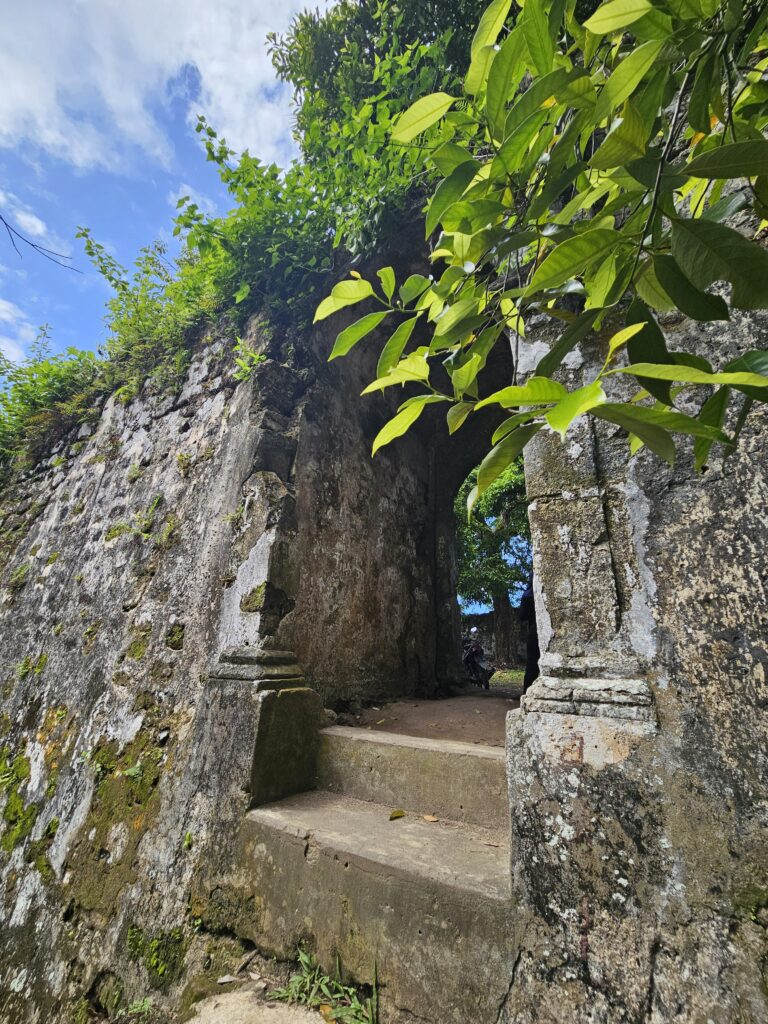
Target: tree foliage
[493,544]
[587,171]
[288,229]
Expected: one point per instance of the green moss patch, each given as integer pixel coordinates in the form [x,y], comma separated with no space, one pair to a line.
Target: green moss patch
[18,578]
[19,817]
[137,647]
[37,854]
[253,601]
[125,804]
[174,637]
[161,954]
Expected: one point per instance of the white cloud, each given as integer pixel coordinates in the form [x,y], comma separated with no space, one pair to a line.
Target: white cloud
[16,331]
[22,217]
[83,80]
[204,204]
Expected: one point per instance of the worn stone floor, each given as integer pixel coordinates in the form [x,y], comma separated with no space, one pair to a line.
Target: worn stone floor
[476,717]
[246,1006]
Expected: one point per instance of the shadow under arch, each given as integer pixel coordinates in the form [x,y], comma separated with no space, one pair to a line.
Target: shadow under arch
[372,541]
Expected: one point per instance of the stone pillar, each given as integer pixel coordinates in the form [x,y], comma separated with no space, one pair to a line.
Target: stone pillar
[584,552]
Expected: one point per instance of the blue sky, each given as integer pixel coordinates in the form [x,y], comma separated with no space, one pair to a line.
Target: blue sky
[97,115]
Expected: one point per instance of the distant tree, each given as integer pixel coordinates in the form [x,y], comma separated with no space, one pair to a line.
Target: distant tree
[494,549]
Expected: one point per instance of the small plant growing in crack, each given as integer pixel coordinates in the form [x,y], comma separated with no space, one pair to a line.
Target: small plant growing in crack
[337,1002]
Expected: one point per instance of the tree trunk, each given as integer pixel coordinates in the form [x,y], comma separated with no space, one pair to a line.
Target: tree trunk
[505,631]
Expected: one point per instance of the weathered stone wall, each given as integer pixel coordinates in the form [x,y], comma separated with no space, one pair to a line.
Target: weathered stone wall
[143,561]
[125,547]
[639,763]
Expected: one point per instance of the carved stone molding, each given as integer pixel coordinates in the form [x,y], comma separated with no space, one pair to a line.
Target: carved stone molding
[264,669]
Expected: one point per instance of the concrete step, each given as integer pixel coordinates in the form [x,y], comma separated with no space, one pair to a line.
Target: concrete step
[465,782]
[427,903]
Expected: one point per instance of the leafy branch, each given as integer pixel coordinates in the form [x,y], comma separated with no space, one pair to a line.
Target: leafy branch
[586,165]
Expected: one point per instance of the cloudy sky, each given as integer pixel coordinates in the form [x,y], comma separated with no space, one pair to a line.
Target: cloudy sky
[97,107]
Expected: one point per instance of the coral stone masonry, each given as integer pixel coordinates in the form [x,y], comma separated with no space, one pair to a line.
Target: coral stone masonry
[191,584]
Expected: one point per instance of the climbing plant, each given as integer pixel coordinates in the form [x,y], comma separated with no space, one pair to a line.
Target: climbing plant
[587,170]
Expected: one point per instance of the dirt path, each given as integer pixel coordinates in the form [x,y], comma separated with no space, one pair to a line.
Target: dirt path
[478,717]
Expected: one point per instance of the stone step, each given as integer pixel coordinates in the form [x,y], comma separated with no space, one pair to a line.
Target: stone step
[465,782]
[425,904]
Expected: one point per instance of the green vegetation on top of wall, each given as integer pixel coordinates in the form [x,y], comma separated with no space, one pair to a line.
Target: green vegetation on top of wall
[584,165]
[353,69]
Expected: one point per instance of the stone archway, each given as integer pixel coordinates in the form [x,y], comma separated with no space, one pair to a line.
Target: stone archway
[352,565]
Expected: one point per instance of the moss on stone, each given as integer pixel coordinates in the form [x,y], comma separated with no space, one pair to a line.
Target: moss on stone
[137,647]
[18,578]
[253,601]
[751,899]
[18,816]
[32,666]
[174,637]
[125,797]
[161,954]
[89,636]
[52,558]
[37,855]
[117,530]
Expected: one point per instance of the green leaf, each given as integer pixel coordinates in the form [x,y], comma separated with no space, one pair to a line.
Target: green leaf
[448,157]
[567,341]
[414,367]
[634,422]
[712,412]
[504,77]
[394,348]
[537,38]
[352,334]
[502,454]
[733,160]
[752,362]
[698,107]
[692,375]
[649,288]
[696,304]
[707,252]
[536,391]
[345,293]
[616,14]
[648,345]
[479,69]
[627,76]
[464,375]
[413,287]
[242,292]
[574,405]
[457,414]
[387,277]
[620,338]
[448,192]
[491,23]
[422,115]
[453,315]
[539,92]
[624,144]
[571,257]
[483,50]
[400,423]
[512,422]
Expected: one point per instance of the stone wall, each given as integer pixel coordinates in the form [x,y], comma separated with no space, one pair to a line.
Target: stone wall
[638,765]
[159,571]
